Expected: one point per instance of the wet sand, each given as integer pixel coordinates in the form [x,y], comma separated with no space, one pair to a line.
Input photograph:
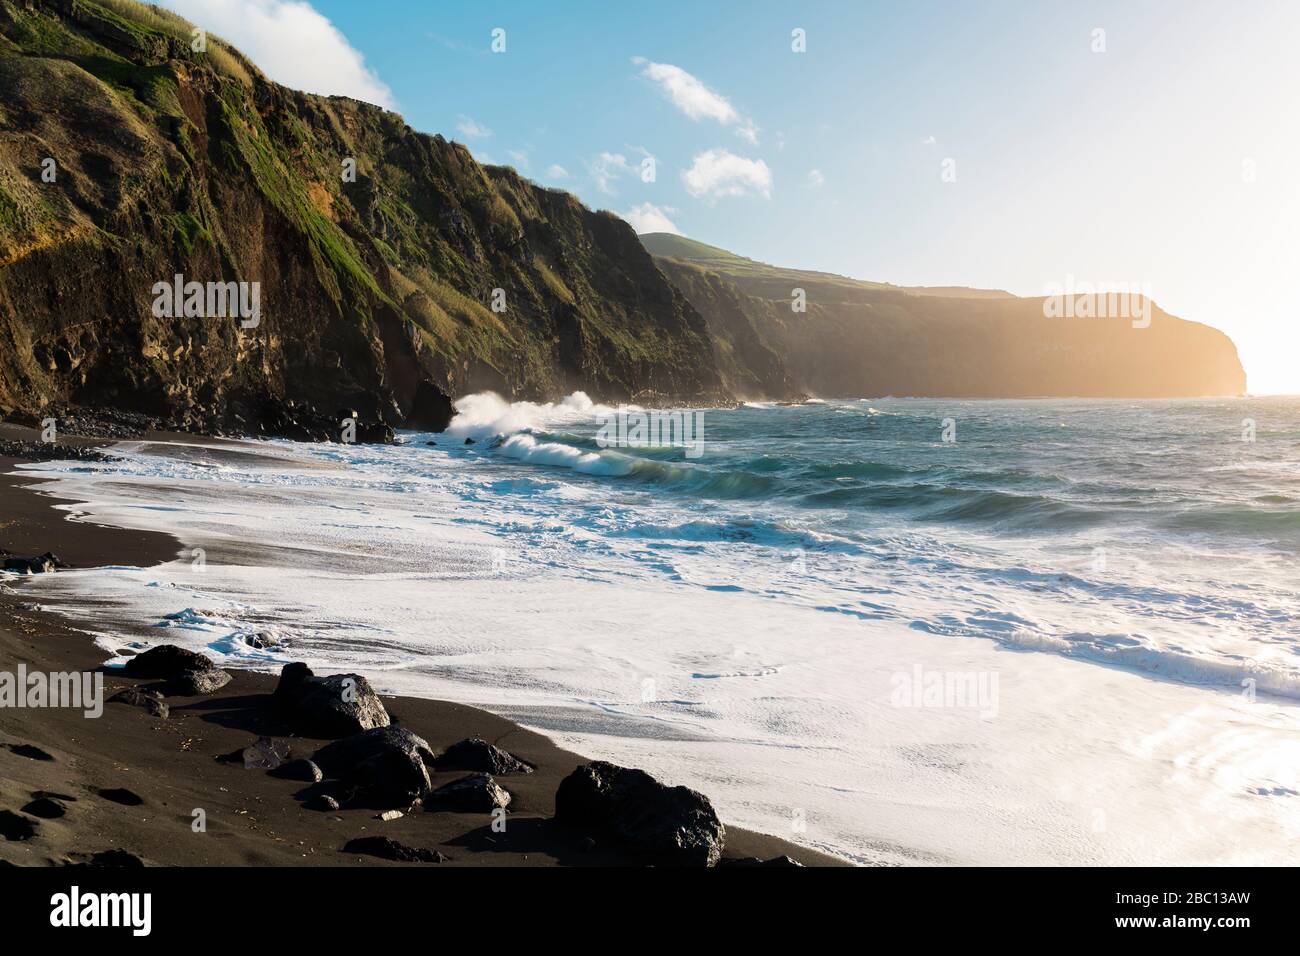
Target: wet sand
[252,818]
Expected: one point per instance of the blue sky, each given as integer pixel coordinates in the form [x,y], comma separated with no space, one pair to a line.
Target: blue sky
[1170,158]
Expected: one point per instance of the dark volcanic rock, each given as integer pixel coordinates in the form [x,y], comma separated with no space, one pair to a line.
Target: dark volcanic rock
[47,451]
[333,706]
[386,765]
[148,699]
[431,408]
[667,825]
[321,801]
[477,754]
[40,564]
[388,849]
[301,769]
[197,682]
[264,754]
[166,660]
[477,793]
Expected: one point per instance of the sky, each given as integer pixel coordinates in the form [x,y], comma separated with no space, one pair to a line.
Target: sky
[1023,145]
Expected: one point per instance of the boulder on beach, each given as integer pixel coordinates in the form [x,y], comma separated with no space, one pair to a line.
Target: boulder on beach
[40,564]
[147,699]
[667,826]
[196,682]
[265,753]
[479,755]
[476,793]
[335,706]
[166,661]
[386,765]
[389,849]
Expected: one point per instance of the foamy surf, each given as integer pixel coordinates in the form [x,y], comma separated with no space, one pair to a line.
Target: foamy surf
[731,624]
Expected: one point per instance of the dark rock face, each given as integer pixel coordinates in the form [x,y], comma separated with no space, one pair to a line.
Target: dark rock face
[386,766]
[863,338]
[367,288]
[48,451]
[477,754]
[389,849]
[197,682]
[150,700]
[166,661]
[334,706]
[671,826]
[40,564]
[477,793]
[431,409]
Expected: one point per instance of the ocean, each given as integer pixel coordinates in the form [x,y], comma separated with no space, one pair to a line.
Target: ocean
[899,630]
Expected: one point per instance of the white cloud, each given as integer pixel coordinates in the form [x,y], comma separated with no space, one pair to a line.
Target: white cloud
[472,128]
[607,167]
[718,172]
[648,217]
[291,43]
[556,171]
[815,179]
[748,132]
[520,158]
[695,99]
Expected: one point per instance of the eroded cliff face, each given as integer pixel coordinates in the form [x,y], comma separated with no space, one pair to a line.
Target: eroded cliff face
[378,252]
[861,338]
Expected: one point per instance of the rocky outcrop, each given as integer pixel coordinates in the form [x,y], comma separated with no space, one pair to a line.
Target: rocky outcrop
[477,793]
[389,849]
[857,339]
[392,270]
[670,826]
[40,564]
[384,767]
[166,661]
[477,754]
[335,706]
[147,700]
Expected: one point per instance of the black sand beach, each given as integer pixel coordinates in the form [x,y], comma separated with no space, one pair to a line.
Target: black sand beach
[170,768]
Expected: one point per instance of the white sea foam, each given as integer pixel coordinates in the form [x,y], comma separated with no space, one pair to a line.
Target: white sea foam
[529,579]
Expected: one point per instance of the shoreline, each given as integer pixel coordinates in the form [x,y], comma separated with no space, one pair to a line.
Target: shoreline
[251,817]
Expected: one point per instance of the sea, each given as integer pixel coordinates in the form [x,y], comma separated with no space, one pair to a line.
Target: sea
[900,630]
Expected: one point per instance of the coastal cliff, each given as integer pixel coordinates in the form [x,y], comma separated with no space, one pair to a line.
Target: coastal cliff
[393,271]
[390,272]
[860,338]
